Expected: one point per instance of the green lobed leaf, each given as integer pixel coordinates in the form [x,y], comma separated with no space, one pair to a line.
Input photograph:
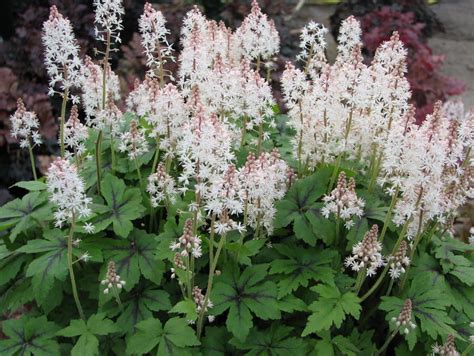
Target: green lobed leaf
[242,294]
[140,306]
[301,266]
[299,199]
[331,308]
[123,205]
[20,215]
[135,256]
[273,341]
[88,343]
[29,336]
[172,339]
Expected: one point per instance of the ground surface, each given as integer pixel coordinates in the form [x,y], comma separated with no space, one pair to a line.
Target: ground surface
[457,43]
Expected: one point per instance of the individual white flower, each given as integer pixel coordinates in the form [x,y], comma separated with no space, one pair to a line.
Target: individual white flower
[112,280]
[133,142]
[24,126]
[343,201]
[61,52]
[85,257]
[258,36]
[89,228]
[67,192]
[366,254]
[108,19]
[153,33]
[75,133]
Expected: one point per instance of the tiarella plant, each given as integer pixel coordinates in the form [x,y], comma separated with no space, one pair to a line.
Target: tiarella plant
[200,220]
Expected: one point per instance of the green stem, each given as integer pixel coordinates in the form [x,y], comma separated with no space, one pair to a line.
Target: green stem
[387,266]
[389,214]
[468,350]
[32,160]
[390,286]
[260,139]
[211,240]
[375,172]
[419,235]
[112,151]
[334,172]
[63,118]
[71,270]
[359,281]
[244,132]
[157,155]
[98,159]
[138,172]
[117,298]
[387,342]
[212,269]
[300,140]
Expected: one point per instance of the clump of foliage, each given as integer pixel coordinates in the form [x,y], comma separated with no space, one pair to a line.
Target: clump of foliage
[202,221]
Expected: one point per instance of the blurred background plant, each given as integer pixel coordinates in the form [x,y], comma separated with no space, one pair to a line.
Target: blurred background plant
[415,22]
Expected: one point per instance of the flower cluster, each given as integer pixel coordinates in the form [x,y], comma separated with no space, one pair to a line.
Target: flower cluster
[75,133]
[161,187]
[25,126]
[312,45]
[134,141]
[112,279]
[258,36]
[433,169]
[448,349]
[153,33]
[343,201]
[403,320]
[108,19]
[178,264]
[399,261]
[201,304]
[164,110]
[188,244]
[264,180]
[61,51]
[67,192]
[366,254]
[92,93]
[223,200]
